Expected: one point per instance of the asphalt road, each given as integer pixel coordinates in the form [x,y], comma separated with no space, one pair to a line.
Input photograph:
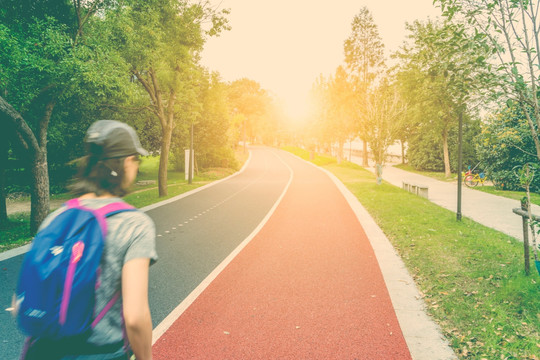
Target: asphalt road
[194,235]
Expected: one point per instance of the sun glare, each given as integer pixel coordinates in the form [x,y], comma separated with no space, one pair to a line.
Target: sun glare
[296,108]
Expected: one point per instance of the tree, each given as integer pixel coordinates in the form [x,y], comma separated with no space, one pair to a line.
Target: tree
[505,143]
[331,117]
[440,74]
[384,107]
[211,134]
[212,143]
[364,56]
[317,125]
[342,109]
[162,39]
[512,28]
[40,54]
[249,103]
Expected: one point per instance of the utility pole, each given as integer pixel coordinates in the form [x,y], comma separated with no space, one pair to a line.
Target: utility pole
[460,161]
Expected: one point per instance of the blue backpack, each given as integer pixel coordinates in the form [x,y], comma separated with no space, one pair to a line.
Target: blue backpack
[60,273]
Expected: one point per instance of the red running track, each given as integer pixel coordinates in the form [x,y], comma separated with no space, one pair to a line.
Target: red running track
[308,286]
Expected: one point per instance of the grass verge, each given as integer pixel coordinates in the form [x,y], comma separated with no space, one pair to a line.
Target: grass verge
[471,277]
[17,231]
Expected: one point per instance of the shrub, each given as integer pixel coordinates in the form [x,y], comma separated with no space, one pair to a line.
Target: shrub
[506,142]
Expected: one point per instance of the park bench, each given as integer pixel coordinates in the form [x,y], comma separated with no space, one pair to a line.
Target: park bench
[420,190]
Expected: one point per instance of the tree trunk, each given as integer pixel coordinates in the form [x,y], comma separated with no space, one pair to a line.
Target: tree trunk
[402,152]
[446,154]
[365,159]
[37,150]
[164,160]
[532,128]
[3,167]
[39,203]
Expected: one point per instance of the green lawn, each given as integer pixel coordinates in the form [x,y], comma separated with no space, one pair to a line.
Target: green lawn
[471,277]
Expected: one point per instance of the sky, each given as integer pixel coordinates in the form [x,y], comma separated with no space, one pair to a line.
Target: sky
[285,45]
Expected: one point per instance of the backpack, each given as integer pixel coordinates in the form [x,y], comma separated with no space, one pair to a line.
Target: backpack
[60,273]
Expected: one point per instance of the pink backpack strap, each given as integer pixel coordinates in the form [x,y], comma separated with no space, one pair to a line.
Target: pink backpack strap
[101,213]
[113,208]
[73,203]
[109,210]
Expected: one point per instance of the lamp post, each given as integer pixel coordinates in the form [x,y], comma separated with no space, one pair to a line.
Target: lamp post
[460,160]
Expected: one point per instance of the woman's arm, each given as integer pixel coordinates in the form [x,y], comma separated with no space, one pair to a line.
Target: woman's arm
[136,310]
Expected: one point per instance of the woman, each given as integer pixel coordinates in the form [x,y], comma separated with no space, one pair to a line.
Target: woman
[106,174]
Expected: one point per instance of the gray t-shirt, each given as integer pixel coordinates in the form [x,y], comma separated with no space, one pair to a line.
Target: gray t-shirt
[130,235]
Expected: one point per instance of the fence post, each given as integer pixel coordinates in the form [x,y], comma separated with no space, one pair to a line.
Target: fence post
[525,222]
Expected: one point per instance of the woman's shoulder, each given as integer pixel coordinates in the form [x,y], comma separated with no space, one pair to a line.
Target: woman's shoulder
[136,217]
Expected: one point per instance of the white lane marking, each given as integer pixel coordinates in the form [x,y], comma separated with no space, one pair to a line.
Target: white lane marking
[179,310]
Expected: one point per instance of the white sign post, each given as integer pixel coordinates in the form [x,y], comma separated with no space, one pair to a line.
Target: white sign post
[186,159]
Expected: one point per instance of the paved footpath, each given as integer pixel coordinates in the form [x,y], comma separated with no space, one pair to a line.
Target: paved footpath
[490,210]
[308,285]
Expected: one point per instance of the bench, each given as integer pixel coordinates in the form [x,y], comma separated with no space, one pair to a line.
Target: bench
[420,190]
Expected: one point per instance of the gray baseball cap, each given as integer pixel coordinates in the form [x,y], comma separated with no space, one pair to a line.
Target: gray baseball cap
[116,138]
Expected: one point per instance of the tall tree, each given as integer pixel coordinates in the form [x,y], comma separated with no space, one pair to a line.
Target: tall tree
[440,73]
[364,56]
[512,28]
[162,40]
[334,114]
[40,56]
[384,107]
[318,119]
[249,100]
[342,109]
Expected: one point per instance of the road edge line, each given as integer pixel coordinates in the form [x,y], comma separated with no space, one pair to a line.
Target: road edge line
[166,323]
[25,248]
